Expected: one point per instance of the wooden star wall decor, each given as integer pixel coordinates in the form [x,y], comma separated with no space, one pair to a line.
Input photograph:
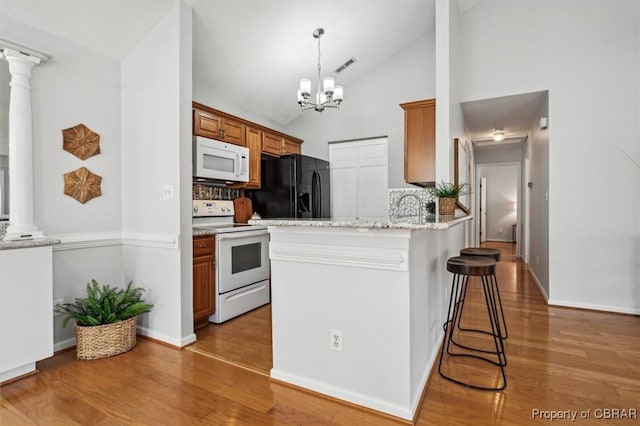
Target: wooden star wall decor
[82,185]
[81,141]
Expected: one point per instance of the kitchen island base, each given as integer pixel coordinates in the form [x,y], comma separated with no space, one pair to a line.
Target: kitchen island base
[383,292]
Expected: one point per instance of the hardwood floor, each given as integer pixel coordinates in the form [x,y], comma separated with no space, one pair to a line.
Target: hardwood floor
[558,359]
[244,341]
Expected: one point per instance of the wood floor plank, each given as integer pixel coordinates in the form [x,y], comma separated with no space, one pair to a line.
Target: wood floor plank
[558,359]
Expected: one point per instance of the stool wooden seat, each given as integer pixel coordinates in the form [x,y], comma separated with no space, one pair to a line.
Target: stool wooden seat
[462,268]
[496,255]
[467,265]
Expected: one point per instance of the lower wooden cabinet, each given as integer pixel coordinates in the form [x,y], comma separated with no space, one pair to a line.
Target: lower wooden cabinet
[203,279]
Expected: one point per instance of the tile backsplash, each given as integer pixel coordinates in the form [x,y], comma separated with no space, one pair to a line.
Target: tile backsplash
[409,205]
[208,192]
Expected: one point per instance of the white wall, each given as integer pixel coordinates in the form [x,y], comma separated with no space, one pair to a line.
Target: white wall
[156,136]
[74,86]
[372,106]
[591,73]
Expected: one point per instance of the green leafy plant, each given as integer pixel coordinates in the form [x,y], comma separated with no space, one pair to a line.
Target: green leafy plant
[104,305]
[448,190]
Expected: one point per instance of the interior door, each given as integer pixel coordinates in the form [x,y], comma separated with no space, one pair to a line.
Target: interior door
[483,210]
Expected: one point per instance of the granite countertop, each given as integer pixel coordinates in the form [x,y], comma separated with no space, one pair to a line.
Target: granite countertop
[202,231]
[20,244]
[410,222]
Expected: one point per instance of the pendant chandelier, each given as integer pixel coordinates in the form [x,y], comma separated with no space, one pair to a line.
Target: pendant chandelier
[327,96]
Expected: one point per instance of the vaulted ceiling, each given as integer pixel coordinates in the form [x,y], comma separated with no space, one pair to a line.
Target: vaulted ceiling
[247,53]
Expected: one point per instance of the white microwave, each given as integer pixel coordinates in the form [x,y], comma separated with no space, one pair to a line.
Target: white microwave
[218,160]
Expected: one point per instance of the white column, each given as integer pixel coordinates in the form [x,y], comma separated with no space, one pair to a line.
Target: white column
[21,211]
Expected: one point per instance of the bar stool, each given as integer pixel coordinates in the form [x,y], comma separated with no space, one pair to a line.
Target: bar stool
[462,268]
[496,255]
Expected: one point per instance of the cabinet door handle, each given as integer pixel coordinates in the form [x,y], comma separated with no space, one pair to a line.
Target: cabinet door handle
[201,245]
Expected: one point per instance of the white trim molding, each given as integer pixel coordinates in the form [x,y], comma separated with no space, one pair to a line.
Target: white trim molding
[167,241]
[105,239]
[361,257]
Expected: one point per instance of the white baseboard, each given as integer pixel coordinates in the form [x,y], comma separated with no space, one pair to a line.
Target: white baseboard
[594,307]
[65,344]
[537,281]
[580,305]
[344,394]
[179,343]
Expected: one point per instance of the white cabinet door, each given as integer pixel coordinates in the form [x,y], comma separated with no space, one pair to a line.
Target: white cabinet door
[26,309]
[344,180]
[359,179]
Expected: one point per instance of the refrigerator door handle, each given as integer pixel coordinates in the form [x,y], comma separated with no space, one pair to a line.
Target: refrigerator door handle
[319,194]
[314,195]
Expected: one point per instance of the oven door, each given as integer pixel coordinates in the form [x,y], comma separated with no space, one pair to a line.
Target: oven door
[242,258]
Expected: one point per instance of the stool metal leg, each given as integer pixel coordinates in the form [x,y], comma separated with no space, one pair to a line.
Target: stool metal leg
[496,295]
[503,327]
[493,321]
[454,314]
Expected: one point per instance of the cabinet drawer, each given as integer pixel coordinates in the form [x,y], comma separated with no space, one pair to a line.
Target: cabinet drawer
[203,246]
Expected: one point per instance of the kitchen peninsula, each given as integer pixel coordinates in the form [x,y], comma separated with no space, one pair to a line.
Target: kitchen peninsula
[358,307]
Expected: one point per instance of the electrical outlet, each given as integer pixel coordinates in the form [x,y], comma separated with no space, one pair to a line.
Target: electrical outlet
[336,340]
[499,231]
[167,192]
[537,260]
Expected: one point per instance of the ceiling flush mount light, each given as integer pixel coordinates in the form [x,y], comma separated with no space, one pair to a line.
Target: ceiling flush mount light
[327,96]
[498,135]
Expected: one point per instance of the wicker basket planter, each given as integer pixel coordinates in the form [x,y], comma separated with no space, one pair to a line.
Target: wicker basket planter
[447,206]
[101,341]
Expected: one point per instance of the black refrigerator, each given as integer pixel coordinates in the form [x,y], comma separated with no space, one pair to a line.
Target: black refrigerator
[293,186]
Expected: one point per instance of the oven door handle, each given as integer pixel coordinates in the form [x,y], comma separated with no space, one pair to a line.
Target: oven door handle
[241,234]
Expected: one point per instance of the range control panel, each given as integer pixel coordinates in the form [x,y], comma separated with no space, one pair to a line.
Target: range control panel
[212,208]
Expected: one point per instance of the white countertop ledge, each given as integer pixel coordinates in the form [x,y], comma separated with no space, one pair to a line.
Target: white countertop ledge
[412,222]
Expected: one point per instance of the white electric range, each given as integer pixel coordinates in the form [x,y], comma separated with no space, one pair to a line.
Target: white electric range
[241,259]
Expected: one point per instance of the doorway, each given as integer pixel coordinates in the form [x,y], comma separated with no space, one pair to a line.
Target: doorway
[499,203]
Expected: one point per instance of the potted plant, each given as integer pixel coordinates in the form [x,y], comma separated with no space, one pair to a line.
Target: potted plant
[447,194]
[105,319]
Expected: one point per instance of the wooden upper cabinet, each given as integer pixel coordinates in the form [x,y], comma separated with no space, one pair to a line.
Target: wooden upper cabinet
[213,126]
[233,132]
[278,145]
[272,144]
[206,124]
[420,142]
[290,146]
